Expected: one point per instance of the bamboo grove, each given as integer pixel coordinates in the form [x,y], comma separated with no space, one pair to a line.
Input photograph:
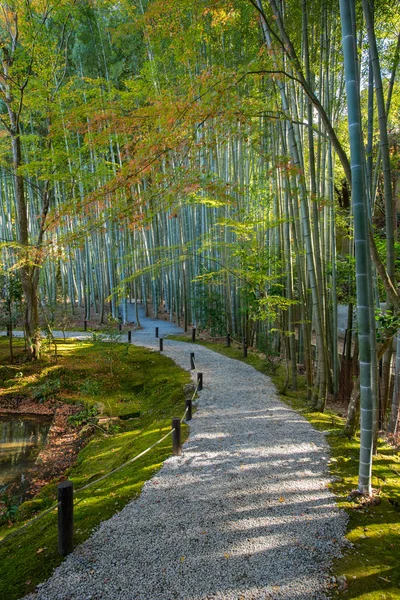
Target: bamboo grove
[195,156]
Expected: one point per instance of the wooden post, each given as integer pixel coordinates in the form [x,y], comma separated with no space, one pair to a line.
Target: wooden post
[228,340]
[189,409]
[176,437]
[200,381]
[119,327]
[194,334]
[129,336]
[85,325]
[244,348]
[161,344]
[156,332]
[65,517]
[192,365]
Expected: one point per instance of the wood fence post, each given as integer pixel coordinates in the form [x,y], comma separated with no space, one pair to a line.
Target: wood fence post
[228,340]
[192,365]
[65,517]
[194,334]
[200,381]
[156,332]
[161,344]
[189,409]
[176,437]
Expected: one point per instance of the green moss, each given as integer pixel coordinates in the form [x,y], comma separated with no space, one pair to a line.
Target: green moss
[372,565]
[144,382]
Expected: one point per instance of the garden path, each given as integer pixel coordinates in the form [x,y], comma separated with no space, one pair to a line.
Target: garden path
[243,514]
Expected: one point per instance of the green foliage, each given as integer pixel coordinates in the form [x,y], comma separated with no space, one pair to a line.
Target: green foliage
[108,342]
[271,305]
[91,387]
[8,507]
[88,415]
[209,310]
[381,247]
[6,373]
[112,428]
[48,390]
[387,324]
[346,279]
[10,298]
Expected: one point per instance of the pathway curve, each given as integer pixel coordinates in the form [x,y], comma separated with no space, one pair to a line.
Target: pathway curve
[243,514]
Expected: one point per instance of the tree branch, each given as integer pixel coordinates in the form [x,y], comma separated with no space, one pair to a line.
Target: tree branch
[380,267]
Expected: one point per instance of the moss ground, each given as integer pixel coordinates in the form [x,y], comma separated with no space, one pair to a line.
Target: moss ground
[124,379]
[372,564]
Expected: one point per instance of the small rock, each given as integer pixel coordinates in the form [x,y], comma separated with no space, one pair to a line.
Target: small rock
[342,582]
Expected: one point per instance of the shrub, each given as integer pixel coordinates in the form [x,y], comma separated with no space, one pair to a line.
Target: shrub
[46,391]
[91,387]
[87,415]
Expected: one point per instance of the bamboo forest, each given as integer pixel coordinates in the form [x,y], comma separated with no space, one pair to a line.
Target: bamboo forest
[226,174]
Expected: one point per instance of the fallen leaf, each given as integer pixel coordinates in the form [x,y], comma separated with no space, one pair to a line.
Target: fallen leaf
[40,550]
[282,499]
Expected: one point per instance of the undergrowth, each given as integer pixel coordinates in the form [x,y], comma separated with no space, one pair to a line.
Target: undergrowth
[146,384]
[372,564]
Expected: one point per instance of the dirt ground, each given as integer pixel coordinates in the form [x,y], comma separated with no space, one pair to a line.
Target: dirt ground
[62,445]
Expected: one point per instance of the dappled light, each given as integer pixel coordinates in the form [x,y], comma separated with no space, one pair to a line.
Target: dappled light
[199,217]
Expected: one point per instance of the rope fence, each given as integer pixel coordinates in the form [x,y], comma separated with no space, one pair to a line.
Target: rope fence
[229,340]
[66,492]
[128,462]
[28,523]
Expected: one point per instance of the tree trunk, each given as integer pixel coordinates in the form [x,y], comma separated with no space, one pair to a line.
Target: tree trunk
[366,325]
[29,278]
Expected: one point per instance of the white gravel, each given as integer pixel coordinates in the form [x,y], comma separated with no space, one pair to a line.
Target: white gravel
[243,514]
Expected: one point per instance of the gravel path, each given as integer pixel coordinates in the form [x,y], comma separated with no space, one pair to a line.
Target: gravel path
[243,514]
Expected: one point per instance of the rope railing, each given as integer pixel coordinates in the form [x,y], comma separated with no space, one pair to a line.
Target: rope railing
[28,523]
[229,339]
[176,447]
[131,460]
[65,489]
[184,415]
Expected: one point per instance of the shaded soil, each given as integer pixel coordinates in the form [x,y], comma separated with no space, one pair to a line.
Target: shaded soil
[60,452]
